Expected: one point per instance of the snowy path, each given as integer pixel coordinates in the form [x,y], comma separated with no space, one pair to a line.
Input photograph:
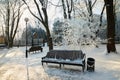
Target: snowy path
[13,66]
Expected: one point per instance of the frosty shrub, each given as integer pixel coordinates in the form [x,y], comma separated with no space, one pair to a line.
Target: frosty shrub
[80,32]
[57,33]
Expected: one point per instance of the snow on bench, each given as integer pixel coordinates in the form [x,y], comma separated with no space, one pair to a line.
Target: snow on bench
[65,57]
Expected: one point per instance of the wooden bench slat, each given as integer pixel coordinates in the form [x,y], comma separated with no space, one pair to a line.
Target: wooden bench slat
[35,48]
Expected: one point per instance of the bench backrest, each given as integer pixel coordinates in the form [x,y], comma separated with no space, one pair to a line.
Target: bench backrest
[65,54]
[33,48]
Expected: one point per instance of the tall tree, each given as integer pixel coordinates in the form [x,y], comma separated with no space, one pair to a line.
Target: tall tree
[11,19]
[7,23]
[41,6]
[110,26]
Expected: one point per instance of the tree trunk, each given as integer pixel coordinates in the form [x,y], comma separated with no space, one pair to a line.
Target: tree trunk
[45,23]
[49,39]
[50,44]
[69,15]
[64,9]
[110,26]
[7,25]
[11,43]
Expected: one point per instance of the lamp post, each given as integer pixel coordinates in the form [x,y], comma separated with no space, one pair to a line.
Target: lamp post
[26,20]
[26,55]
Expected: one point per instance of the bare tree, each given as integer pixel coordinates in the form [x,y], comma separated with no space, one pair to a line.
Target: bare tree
[11,20]
[41,6]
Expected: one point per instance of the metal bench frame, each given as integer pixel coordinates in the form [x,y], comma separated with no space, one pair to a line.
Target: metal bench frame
[61,61]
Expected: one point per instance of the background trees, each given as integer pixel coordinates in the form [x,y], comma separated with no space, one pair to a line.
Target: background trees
[57,32]
[11,13]
[32,39]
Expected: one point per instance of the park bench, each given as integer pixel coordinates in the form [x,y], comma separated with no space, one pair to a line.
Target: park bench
[65,57]
[2,45]
[35,48]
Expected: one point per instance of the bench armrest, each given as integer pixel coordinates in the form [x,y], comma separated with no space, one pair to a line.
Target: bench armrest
[84,58]
[43,57]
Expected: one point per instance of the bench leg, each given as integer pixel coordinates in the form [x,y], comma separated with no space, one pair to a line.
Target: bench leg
[60,66]
[42,63]
[83,68]
[41,50]
[84,65]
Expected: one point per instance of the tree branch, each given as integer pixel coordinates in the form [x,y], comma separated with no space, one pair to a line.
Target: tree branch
[94,3]
[31,11]
[64,9]
[38,10]
[102,15]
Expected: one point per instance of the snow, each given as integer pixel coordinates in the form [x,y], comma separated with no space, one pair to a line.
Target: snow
[13,65]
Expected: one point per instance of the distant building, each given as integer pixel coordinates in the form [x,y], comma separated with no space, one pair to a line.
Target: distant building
[2,40]
[36,40]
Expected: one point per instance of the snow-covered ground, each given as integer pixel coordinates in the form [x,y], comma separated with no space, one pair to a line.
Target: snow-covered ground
[13,65]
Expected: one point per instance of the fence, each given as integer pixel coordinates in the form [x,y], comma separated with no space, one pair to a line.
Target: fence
[29,42]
